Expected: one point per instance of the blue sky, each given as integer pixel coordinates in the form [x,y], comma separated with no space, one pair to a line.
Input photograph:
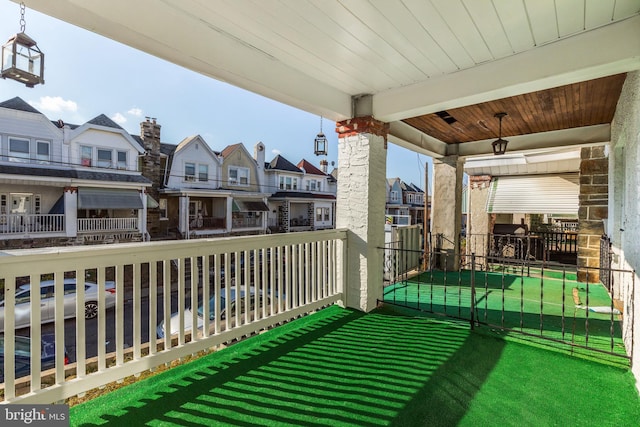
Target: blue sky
[87,75]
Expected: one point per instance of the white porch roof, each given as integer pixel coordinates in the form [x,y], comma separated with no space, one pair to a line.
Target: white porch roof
[409,57]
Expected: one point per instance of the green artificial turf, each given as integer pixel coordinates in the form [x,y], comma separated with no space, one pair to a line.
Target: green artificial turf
[539,305]
[341,367]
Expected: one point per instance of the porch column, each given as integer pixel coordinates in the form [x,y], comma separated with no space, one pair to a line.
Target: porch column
[71,211]
[183,216]
[479,222]
[446,211]
[229,216]
[362,166]
[142,215]
[592,210]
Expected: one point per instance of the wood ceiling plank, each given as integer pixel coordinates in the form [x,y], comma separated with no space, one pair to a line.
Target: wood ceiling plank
[567,107]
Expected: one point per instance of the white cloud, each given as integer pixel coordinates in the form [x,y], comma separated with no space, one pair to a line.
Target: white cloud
[135,112]
[119,118]
[275,151]
[54,104]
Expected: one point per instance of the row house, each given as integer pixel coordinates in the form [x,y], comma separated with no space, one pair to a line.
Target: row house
[63,184]
[303,196]
[405,203]
[202,192]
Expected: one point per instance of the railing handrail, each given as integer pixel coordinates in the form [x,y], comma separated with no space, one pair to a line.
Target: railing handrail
[311,282]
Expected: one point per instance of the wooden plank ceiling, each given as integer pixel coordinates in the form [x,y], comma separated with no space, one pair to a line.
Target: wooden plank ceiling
[576,105]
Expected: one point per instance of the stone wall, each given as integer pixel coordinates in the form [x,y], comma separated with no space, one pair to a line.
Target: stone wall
[592,210]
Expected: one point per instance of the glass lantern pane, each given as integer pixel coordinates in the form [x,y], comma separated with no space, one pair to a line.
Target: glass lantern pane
[7,57]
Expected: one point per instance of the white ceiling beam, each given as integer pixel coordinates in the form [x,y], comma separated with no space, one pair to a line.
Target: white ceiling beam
[609,50]
[409,137]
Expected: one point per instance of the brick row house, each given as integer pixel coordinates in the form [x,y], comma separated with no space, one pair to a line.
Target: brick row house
[64,184]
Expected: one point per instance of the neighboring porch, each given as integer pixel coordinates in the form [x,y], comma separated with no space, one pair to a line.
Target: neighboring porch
[295,211]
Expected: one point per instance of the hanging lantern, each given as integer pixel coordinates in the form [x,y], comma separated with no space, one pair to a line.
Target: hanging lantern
[499,145]
[320,143]
[22,60]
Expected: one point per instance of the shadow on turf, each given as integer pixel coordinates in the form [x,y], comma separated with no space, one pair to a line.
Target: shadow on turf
[350,368]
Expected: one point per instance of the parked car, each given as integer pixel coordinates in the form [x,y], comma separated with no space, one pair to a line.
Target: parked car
[47,302]
[225,307]
[23,355]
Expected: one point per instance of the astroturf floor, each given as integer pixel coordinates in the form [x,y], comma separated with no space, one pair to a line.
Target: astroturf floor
[341,367]
[555,306]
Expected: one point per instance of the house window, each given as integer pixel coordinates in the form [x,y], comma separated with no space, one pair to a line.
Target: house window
[104,158]
[42,153]
[189,172]
[36,204]
[162,206]
[394,196]
[238,176]
[86,155]
[18,149]
[311,186]
[203,173]
[122,159]
[322,214]
[3,204]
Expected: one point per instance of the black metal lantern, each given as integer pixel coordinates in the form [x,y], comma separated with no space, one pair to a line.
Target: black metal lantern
[320,143]
[500,145]
[22,60]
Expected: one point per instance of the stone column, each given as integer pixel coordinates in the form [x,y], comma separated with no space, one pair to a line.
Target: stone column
[479,224]
[592,209]
[362,166]
[446,206]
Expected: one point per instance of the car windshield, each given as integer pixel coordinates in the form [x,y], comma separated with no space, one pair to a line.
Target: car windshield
[212,307]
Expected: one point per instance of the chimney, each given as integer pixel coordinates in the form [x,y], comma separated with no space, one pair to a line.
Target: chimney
[324,165]
[259,156]
[150,135]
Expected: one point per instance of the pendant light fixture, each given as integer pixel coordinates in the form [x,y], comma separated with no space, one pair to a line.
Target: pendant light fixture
[499,145]
[22,60]
[320,143]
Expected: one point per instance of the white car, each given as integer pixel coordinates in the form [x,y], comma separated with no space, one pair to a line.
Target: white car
[47,302]
[225,307]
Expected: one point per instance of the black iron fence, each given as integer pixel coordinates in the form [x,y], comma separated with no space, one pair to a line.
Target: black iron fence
[515,294]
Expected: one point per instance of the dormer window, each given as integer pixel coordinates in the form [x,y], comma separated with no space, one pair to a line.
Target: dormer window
[18,150]
[238,176]
[122,159]
[104,158]
[190,172]
[86,155]
[42,153]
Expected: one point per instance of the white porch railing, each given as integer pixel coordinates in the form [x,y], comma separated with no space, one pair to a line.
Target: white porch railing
[32,223]
[287,275]
[107,224]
